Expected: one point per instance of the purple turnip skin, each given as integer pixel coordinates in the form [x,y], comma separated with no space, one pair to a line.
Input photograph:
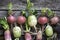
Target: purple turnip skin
[42,20]
[11,19]
[54,20]
[21,20]
[28,36]
[7,35]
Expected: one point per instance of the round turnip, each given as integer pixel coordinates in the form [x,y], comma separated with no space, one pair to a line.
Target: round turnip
[7,35]
[49,30]
[42,20]
[21,20]
[11,19]
[32,21]
[17,32]
[28,36]
[54,20]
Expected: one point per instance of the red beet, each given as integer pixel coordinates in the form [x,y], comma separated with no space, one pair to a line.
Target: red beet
[28,36]
[42,20]
[11,19]
[54,20]
[21,20]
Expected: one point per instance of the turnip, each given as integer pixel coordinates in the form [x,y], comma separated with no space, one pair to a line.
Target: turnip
[7,35]
[54,20]
[21,20]
[49,30]
[39,35]
[10,19]
[17,32]
[42,20]
[27,34]
[32,21]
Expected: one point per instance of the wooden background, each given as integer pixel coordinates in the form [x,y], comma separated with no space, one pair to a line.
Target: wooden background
[19,5]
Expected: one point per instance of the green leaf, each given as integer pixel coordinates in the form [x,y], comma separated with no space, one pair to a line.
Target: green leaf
[4,23]
[10,6]
[50,13]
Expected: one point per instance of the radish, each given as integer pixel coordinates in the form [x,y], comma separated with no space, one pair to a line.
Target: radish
[39,35]
[17,32]
[42,20]
[32,21]
[54,20]
[27,34]
[7,35]
[49,30]
[21,20]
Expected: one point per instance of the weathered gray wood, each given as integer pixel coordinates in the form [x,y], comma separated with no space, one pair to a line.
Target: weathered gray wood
[21,4]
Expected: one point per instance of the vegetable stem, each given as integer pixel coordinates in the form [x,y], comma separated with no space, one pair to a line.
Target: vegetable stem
[43,28]
[35,28]
[16,38]
[21,27]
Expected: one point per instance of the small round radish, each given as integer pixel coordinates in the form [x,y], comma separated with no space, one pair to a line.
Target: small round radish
[42,20]
[49,30]
[28,36]
[21,20]
[7,35]
[54,20]
[17,32]
[11,19]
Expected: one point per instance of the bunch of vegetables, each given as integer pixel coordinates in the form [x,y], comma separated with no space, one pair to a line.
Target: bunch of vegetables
[29,18]
[7,33]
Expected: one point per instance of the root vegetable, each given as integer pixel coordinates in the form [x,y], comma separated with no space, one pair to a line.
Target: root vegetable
[17,32]
[11,19]
[21,20]
[42,20]
[54,20]
[49,30]
[28,36]
[32,21]
[39,35]
[7,35]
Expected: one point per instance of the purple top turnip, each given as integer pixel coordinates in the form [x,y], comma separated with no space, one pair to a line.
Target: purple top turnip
[28,36]
[11,19]
[7,35]
[42,20]
[21,20]
[54,20]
